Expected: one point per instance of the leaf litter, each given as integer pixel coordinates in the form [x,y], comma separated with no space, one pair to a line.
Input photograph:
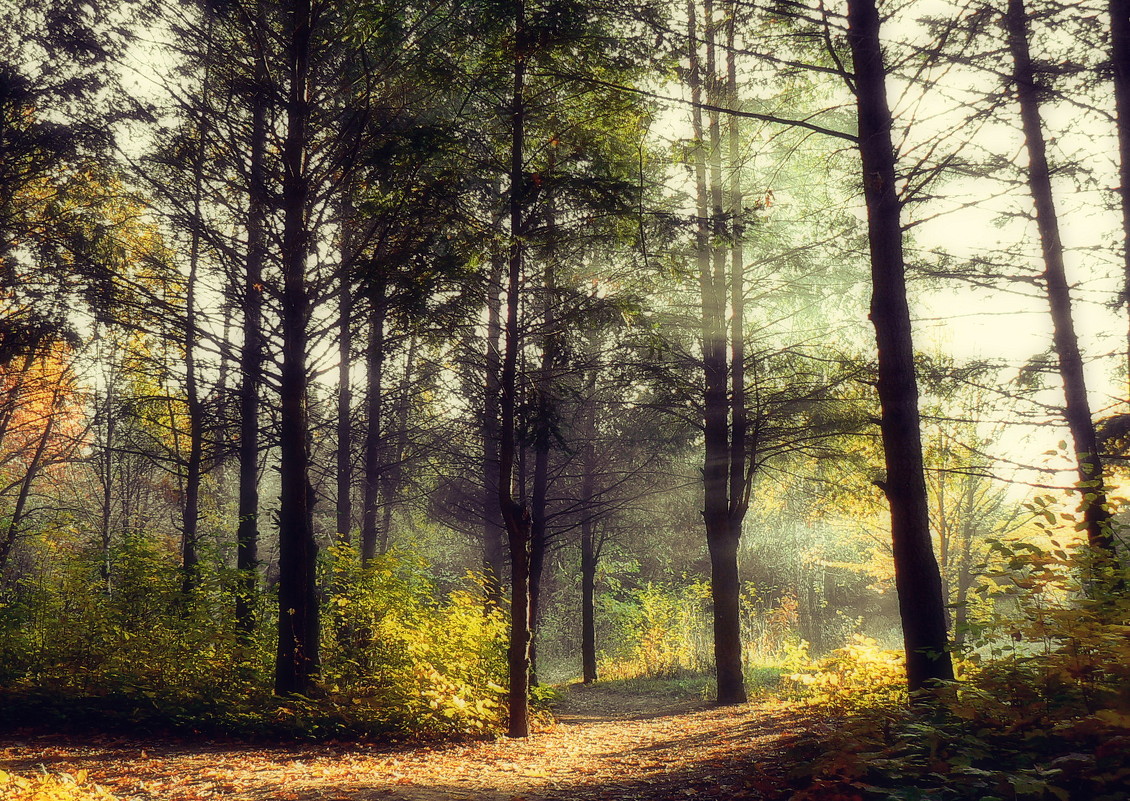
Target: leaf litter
[606,744]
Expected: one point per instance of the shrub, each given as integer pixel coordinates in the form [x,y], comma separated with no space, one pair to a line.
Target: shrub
[860,675]
[419,661]
[398,656]
[1042,712]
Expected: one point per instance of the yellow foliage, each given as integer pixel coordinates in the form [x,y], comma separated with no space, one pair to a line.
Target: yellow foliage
[45,787]
[859,675]
[662,634]
[410,659]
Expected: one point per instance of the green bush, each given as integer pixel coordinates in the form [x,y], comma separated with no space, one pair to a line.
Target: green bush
[398,655]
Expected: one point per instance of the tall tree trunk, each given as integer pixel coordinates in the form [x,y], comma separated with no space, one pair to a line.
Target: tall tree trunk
[223,376]
[190,502]
[494,548]
[739,414]
[344,511]
[515,515]
[917,578]
[1120,61]
[190,510]
[393,472]
[297,657]
[963,578]
[539,493]
[251,353]
[1077,411]
[106,475]
[723,525]
[374,402]
[590,552]
[589,560]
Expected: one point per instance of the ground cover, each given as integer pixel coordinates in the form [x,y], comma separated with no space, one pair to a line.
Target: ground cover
[616,742]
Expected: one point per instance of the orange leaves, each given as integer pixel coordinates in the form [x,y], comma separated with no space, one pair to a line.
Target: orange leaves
[33,390]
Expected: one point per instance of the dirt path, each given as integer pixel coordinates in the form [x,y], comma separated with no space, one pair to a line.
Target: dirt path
[605,745]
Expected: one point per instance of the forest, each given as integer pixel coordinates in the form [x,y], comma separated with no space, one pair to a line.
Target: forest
[518,376]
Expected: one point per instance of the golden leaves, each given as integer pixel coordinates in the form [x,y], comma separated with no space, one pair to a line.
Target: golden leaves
[47,787]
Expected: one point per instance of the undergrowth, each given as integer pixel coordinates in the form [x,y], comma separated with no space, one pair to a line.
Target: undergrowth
[1041,710]
[399,657]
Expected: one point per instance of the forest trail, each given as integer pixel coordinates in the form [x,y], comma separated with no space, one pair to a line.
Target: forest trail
[607,744]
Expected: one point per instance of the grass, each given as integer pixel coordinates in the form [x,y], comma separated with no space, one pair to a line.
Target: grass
[761,679]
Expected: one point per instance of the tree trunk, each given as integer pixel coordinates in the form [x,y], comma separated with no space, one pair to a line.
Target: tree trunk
[516,516]
[725,594]
[344,511]
[588,601]
[1092,488]
[393,472]
[251,353]
[106,473]
[374,365]
[494,555]
[739,414]
[297,657]
[1120,62]
[190,503]
[190,511]
[538,542]
[963,580]
[590,553]
[722,517]
[539,494]
[917,578]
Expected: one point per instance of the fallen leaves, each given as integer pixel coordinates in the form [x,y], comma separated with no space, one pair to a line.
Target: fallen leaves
[623,747]
[47,787]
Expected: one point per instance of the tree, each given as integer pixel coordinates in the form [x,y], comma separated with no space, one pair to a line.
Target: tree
[1119,11]
[921,601]
[37,431]
[297,658]
[727,479]
[250,294]
[1077,412]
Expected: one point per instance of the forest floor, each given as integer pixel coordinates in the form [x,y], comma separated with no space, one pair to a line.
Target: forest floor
[609,742]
